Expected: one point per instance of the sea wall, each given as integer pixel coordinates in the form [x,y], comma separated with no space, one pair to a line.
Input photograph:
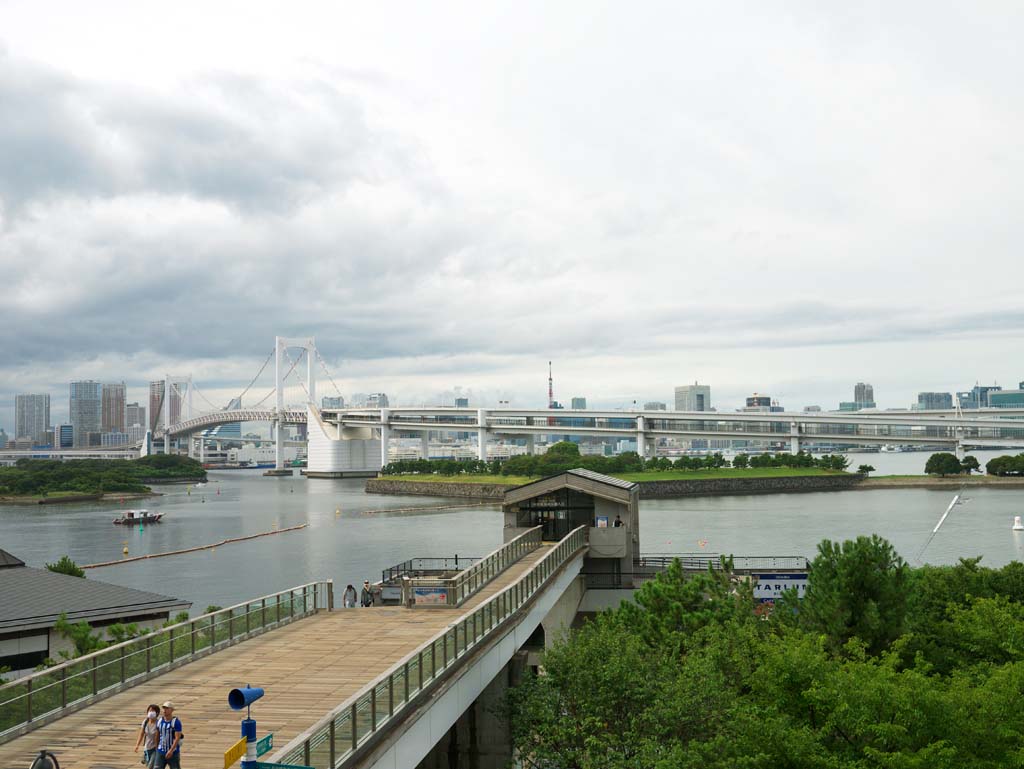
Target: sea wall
[648,489]
[442,489]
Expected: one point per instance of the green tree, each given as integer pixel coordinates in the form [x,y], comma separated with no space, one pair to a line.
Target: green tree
[740,461]
[564,448]
[865,469]
[80,634]
[66,566]
[970,464]
[943,463]
[857,589]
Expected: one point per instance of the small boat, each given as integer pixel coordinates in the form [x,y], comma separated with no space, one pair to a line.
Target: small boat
[1017,524]
[131,517]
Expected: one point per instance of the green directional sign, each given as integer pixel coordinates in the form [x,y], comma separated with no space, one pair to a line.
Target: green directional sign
[264,744]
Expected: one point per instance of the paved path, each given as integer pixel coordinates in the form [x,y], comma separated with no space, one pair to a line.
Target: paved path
[307,668]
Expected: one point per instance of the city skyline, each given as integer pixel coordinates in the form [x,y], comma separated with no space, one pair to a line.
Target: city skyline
[763,201]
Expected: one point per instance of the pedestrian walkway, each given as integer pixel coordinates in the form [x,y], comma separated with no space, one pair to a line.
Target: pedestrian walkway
[306,668]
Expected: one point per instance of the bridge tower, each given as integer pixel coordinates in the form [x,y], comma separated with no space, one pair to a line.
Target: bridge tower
[172,382]
[281,346]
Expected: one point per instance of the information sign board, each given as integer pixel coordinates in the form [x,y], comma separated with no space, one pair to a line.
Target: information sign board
[436,596]
[234,753]
[264,744]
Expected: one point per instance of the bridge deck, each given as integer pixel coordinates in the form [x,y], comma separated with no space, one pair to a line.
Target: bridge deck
[307,668]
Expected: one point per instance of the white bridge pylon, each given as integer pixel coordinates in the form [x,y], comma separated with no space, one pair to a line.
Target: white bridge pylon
[281,346]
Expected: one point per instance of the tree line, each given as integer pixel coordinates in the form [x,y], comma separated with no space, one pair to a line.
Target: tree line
[879,665]
[565,455]
[39,477]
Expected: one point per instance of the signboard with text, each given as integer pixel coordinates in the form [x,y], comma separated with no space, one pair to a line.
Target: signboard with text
[769,587]
[264,744]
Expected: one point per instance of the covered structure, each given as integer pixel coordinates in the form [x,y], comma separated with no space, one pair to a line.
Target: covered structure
[34,599]
[609,507]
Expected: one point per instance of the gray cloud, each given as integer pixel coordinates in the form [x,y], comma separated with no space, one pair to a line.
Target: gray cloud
[809,197]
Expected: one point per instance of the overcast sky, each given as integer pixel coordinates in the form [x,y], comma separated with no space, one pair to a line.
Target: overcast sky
[787,198]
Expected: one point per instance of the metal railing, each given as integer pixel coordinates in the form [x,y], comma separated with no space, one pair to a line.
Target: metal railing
[336,737]
[29,702]
[417,566]
[464,584]
[701,562]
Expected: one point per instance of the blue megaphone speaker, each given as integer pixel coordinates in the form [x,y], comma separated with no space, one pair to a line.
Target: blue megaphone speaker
[239,699]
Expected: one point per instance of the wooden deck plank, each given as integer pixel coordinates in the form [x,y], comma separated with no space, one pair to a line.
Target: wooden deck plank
[307,668]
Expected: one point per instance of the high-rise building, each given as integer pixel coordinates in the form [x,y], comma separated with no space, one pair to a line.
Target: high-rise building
[977,397]
[377,401]
[135,415]
[462,403]
[4,438]
[113,409]
[812,409]
[156,405]
[63,436]
[579,403]
[930,401]
[335,402]
[655,406]
[86,411]
[695,397]
[863,393]
[31,416]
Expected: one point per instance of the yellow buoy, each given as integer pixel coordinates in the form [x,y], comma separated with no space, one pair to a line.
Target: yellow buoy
[124,550]
[337,512]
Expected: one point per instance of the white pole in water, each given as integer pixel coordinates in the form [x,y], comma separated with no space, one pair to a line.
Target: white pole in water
[956,500]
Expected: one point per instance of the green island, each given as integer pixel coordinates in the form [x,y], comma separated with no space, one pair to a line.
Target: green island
[43,480]
[877,665]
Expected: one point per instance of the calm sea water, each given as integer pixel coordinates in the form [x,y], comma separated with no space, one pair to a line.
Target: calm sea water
[357,543]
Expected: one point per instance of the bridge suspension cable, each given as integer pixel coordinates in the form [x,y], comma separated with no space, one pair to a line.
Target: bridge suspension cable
[273,390]
[298,376]
[248,386]
[323,365]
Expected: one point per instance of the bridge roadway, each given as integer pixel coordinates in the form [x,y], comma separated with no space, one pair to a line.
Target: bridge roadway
[307,668]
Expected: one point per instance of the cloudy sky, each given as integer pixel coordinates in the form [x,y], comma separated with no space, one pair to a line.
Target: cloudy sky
[783,198]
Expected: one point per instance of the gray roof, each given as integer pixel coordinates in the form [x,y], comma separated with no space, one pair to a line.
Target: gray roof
[35,598]
[586,481]
[7,560]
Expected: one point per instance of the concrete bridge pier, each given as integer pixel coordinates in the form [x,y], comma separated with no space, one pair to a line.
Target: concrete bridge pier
[481,434]
[385,436]
[794,438]
[641,438]
[425,444]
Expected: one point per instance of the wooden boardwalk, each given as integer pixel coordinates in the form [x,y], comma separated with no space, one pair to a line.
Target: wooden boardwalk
[307,669]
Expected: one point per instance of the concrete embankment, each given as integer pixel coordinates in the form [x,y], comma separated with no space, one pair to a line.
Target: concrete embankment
[648,489]
[952,482]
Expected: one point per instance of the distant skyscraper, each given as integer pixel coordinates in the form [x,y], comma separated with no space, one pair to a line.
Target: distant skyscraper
[655,406]
[135,415]
[462,403]
[977,396]
[812,409]
[86,411]
[377,401]
[695,397]
[31,416]
[4,437]
[579,403]
[156,405]
[757,402]
[329,402]
[113,408]
[863,393]
[929,401]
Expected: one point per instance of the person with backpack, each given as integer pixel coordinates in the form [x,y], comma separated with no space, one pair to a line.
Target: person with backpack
[168,749]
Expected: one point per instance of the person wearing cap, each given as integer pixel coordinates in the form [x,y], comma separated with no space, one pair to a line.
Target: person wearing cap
[168,749]
[366,598]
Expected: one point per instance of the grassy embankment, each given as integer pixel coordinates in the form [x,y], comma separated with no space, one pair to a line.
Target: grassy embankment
[653,475]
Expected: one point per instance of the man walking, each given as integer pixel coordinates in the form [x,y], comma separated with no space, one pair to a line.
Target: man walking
[168,750]
[366,598]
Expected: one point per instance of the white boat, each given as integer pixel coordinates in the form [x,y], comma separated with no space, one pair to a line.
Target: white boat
[1018,525]
[131,517]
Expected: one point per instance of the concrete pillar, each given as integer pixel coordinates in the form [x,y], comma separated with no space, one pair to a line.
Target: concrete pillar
[961,452]
[425,444]
[531,444]
[641,438]
[385,435]
[279,404]
[481,435]
[794,438]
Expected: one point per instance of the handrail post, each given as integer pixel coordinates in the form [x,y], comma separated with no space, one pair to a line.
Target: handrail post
[391,695]
[278,608]
[305,752]
[149,654]
[331,742]
[192,636]
[95,682]
[231,625]
[263,614]
[406,700]
[248,611]
[63,687]
[373,708]
[355,732]
[122,665]
[28,697]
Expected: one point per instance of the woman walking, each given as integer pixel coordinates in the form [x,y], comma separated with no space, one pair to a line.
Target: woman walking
[149,736]
[349,597]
